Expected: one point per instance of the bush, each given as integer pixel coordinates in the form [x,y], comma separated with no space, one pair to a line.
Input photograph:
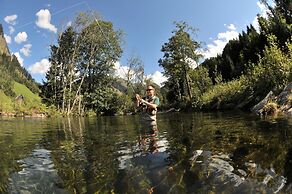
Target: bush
[224,94]
[273,70]
[270,108]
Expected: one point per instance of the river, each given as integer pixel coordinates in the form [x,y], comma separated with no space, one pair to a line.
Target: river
[222,152]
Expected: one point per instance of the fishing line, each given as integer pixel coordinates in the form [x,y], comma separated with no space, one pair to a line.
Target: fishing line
[55,13]
[107,41]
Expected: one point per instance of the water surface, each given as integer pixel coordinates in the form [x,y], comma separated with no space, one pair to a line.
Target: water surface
[229,152]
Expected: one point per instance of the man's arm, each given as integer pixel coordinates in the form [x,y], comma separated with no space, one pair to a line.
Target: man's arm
[138,100]
[151,105]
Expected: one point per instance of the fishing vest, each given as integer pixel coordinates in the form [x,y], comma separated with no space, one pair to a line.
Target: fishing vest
[149,114]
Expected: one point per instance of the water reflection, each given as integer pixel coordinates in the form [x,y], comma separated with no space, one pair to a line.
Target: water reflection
[145,170]
[37,174]
[220,173]
[190,153]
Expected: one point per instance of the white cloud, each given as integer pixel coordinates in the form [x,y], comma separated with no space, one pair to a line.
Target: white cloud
[231,27]
[157,78]
[228,35]
[121,71]
[7,38]
[263,12]
[69,24]
[11,29]
[219,43]
[44,20]
[19,58]
[40,67]
[255,24]
[11,19]
[26,50]
[261,6]
[20,37]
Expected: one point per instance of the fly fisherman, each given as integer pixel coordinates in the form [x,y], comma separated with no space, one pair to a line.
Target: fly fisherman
[149,106]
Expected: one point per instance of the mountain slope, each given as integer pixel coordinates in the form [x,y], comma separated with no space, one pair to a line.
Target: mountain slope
[11,70]
[18,90]
[3,46]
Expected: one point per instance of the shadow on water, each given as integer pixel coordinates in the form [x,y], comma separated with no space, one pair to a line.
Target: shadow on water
[230,152]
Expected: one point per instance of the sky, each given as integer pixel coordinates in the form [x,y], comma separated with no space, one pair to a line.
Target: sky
[31,26]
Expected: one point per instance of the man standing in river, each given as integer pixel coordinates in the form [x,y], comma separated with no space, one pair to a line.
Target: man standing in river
[149,106]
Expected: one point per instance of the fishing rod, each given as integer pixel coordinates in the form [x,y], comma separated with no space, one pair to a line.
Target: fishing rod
[96,20]
[108,43]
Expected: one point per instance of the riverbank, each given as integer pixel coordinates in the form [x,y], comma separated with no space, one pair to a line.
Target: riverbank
[272,104]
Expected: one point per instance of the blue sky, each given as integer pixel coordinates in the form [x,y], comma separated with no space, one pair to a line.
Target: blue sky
[31,26]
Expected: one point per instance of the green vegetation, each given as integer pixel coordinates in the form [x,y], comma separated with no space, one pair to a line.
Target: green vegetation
[23,103]
[81,78]
[82,67]
[249,67]
[18,90]
[21,89]
[6,104]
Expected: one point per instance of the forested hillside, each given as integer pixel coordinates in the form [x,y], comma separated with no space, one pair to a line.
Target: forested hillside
[257,62]
[15,81]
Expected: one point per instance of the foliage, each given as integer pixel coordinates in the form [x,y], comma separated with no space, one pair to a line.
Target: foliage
[254,64]
[273,70]
[5,103]
[224,94]
[270,108]
[11,70]
[107,101]
[30,105]
[239,53]
[82,65]
[200,82]
[135,77]
[179,54]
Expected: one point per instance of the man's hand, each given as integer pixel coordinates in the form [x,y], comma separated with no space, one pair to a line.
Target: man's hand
[138,97]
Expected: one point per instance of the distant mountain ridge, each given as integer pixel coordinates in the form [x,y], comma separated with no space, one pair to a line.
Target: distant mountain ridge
[3,45]
[11,70]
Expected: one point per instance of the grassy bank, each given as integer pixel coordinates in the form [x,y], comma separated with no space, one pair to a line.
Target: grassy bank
[25,103]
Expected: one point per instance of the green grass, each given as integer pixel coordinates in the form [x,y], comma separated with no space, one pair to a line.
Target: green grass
[6,104]
[30,105]
[29,97]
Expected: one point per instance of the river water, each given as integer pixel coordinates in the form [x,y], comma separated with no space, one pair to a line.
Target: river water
[230,152]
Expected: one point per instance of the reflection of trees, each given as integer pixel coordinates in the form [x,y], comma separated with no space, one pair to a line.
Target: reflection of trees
[85,150]
[18,138]
[243,137]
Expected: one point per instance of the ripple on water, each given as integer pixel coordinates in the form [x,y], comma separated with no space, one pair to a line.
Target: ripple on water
[37,174]
[219,172]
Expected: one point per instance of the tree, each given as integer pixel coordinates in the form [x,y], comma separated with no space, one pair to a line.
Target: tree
[135,76]
[82,63]
[59,85]
[179,53]
[99,51]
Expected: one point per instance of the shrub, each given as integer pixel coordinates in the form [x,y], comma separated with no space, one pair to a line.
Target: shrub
[270,108]
[273,70]
[225,93]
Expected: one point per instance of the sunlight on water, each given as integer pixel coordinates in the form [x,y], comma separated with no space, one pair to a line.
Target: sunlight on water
[37,175]
[218,170]
[191,153]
